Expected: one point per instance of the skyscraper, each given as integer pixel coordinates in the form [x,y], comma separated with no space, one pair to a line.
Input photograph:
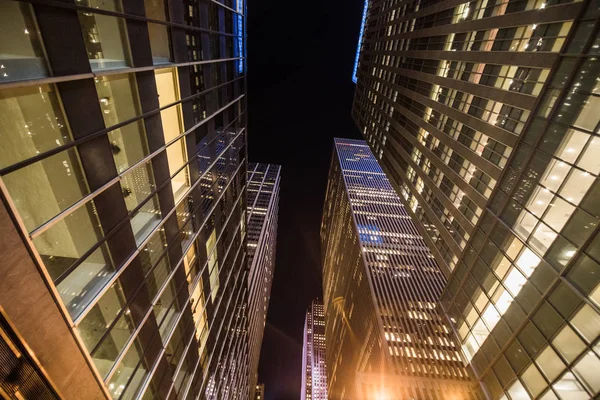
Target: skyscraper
[484,117]
[384,335]
[314,371]
[263,206]
[123,170]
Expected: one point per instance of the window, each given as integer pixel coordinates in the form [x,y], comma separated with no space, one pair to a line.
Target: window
[100,318]
[128,144]
[568,343]
[533,380]
[146,219]
[118,98]
[21,52]
[82,285]
[568,387]
[65,242]
[587,322]
[168,92]
[42,190]
[105,40]
[587,370]
[159,34]
[34,118]
[129,374]
[213,264]
[550,363]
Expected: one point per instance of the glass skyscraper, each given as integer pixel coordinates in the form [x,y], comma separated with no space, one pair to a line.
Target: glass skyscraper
[314,370]
[484,115]
[123,173]
[384,335]
[263,207]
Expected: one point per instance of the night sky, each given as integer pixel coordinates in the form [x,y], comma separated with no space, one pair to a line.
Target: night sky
[300,59]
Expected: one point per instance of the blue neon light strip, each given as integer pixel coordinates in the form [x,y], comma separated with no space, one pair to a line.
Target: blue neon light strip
[360,38]
[240,32]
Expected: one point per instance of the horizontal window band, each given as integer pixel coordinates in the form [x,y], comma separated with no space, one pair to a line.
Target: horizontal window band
[87,138]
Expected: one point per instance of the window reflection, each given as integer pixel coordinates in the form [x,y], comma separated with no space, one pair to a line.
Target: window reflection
[145,220]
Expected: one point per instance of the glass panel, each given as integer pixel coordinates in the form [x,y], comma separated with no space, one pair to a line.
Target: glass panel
[590,159]
[128,144]
[42,190]
[167,86]
[568,343]
[514,281]
[542,238]
[180,182]
[109,5]
[120,381]
[159,43]
[153,250]
[166,309]
[572,144]
[587,370]
[118,98]
[569,388]
[145,220]
[587,323]
[584,274]
[159,275]
[21,52]
[518,392]
[555,174]
[32,121]
[528,262]
[106,41]
[99,319]
[82,285]
[69,239]
[550,363]
[549,395]
[577,186]
[213,264]
[588,115]
[137,185]
[533,380]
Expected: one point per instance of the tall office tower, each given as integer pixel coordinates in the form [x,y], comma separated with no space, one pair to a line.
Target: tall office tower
[485,117]
[123,170]
[314,371]
[263,206]
[259,392]
[385,337]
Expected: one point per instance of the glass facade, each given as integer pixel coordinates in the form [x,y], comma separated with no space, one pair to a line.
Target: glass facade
[125,170]
[487,131]
[385,336]
[314,369]
[263,208]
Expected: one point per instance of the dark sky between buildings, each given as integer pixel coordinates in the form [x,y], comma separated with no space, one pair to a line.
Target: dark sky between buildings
[300,59]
